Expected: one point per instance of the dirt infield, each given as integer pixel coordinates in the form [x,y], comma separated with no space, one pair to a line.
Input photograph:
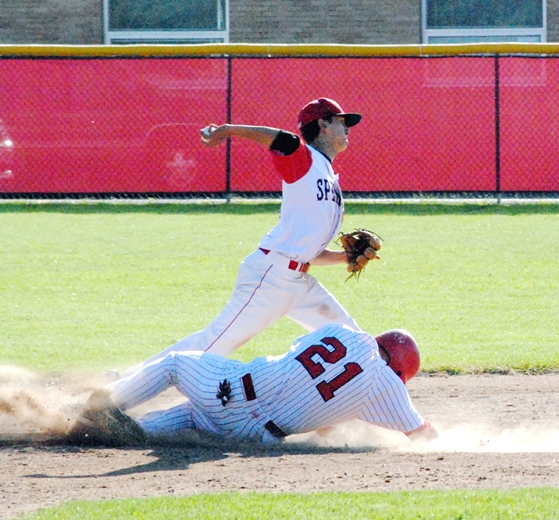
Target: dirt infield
[497,431]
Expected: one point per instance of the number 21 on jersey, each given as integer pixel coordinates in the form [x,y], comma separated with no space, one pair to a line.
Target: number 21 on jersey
[316,368]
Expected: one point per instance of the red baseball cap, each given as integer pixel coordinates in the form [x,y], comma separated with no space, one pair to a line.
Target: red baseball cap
[323,108]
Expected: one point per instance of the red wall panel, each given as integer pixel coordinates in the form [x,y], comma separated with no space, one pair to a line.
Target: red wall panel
[421,128]
[104,125]
[530,124]
[111,125]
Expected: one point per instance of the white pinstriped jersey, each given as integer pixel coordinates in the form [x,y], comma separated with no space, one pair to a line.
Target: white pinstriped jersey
[332,375]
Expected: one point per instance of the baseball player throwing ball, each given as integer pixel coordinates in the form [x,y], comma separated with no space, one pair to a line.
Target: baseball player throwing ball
[273,281]
[329,376]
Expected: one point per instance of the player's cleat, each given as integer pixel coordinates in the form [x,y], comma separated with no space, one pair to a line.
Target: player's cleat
[103,423]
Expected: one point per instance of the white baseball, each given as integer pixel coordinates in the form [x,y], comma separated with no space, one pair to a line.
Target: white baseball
[206,133]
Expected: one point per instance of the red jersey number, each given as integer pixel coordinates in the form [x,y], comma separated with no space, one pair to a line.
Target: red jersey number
[327,388]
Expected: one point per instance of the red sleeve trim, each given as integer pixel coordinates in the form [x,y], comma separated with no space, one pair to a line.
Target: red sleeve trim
[295,166]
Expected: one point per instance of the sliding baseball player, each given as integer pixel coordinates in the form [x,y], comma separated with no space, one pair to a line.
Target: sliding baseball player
[329,376]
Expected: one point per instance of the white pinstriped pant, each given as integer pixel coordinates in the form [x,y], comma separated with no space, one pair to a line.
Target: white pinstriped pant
[197,376]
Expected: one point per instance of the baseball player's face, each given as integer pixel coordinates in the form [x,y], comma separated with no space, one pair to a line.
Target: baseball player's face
[338,133]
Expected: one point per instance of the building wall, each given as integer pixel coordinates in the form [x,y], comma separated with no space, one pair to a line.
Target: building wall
[80,22]
[51,21]
[325,21]
[553,21]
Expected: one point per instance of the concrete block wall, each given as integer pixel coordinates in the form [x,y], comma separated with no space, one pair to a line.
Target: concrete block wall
[325,21]
[78,22]
[553,21]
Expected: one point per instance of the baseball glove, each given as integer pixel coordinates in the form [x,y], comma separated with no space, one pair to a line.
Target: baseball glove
[360,246]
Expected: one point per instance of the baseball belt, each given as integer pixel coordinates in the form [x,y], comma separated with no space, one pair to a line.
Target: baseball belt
[250,395]
[293,265]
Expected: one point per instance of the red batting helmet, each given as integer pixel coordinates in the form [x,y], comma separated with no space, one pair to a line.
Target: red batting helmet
[401,352]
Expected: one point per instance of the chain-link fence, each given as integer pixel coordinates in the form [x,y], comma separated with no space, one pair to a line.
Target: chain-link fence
[127,125]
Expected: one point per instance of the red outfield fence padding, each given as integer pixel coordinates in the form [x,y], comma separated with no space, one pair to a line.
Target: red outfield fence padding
[128,124]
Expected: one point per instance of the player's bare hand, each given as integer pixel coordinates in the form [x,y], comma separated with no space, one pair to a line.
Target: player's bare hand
[213,135]
[426,432]
[324,432]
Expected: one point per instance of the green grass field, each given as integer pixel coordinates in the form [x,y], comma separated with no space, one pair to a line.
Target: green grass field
[95,286]
[519,504]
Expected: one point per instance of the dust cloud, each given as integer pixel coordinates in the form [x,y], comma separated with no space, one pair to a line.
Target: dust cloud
[459,438]
[37,406]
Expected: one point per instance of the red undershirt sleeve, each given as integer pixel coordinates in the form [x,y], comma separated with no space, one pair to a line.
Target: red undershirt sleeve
[294,166]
